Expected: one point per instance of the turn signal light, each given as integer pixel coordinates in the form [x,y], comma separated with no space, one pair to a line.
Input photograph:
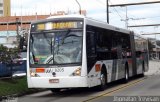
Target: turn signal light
[98,67]
[40,70]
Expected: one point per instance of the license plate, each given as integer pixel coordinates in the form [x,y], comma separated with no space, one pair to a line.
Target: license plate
[53,80]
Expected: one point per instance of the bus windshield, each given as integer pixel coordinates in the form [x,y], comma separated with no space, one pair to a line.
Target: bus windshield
[57,47]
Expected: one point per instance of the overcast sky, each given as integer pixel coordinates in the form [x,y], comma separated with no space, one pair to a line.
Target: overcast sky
[145,14]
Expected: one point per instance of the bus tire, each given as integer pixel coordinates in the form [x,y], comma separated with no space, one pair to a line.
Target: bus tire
[126,77]
[55,90]
[103,78]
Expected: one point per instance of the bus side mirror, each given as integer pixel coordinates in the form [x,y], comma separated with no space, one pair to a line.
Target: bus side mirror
[22,45]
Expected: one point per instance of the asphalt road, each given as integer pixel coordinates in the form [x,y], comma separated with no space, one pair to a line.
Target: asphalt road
[140,89]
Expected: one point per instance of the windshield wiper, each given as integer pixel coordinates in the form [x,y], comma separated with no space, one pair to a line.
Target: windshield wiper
[48,41]
[34,59]
[32,38]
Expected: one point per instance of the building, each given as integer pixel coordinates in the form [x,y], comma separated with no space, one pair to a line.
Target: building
[5,8]
[154,49]
[11,26]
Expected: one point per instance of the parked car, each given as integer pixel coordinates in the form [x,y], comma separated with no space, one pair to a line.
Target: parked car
[21,59]
[19,64]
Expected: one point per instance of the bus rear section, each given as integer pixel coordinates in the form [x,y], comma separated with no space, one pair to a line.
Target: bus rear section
[55,54]
[141,53]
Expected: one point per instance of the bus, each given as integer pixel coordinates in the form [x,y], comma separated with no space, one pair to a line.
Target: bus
[76,52]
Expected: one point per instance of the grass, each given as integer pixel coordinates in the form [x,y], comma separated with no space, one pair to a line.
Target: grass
[13,86]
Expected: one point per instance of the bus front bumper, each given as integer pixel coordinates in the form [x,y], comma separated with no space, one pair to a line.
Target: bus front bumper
[58,82]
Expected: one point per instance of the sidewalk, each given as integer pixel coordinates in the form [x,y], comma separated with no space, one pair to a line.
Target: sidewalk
[154,68]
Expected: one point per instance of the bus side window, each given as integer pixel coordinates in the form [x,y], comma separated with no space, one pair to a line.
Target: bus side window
[125,39]
[91,44]
[114,47]
[103,44]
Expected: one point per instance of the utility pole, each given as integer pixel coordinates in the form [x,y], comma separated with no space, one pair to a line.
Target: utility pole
[107,10]
[126,18]
[17,25]
[18,36]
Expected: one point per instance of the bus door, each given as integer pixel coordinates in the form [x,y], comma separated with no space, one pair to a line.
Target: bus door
[133,54]
[91,51]
[118,70]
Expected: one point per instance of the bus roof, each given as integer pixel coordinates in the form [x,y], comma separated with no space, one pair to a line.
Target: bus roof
[89,21]
[105,25]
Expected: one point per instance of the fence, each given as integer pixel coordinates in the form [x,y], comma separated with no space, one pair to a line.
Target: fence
[4,70]
[7,70]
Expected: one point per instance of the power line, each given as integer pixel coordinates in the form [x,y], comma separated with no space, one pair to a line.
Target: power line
[153,17]
[107,9]
[113,8]
[144,25]
[131,4]
[116,10]
[101,2]
[140,3]
[112,5]
[150,33]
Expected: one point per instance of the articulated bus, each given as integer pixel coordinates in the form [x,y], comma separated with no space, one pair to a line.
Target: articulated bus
[76,52]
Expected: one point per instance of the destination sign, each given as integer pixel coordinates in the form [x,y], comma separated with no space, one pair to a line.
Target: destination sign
[58,25]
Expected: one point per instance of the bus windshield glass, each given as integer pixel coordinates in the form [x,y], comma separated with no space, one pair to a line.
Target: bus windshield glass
[56,47]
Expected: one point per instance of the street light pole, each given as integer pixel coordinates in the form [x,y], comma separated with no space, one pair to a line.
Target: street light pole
[79,7]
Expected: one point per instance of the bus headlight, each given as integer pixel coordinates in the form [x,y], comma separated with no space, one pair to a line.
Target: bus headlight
[77,72]
[33,74]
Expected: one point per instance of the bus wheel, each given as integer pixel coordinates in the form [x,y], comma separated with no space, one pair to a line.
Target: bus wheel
[103,79]
[55,90]
[126,75]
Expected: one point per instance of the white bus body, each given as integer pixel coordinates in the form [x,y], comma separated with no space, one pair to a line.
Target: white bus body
[53,42]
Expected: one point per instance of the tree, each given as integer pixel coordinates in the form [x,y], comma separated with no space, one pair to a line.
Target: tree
[8,54]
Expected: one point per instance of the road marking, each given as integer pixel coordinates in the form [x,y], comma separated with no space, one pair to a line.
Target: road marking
[121,87]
